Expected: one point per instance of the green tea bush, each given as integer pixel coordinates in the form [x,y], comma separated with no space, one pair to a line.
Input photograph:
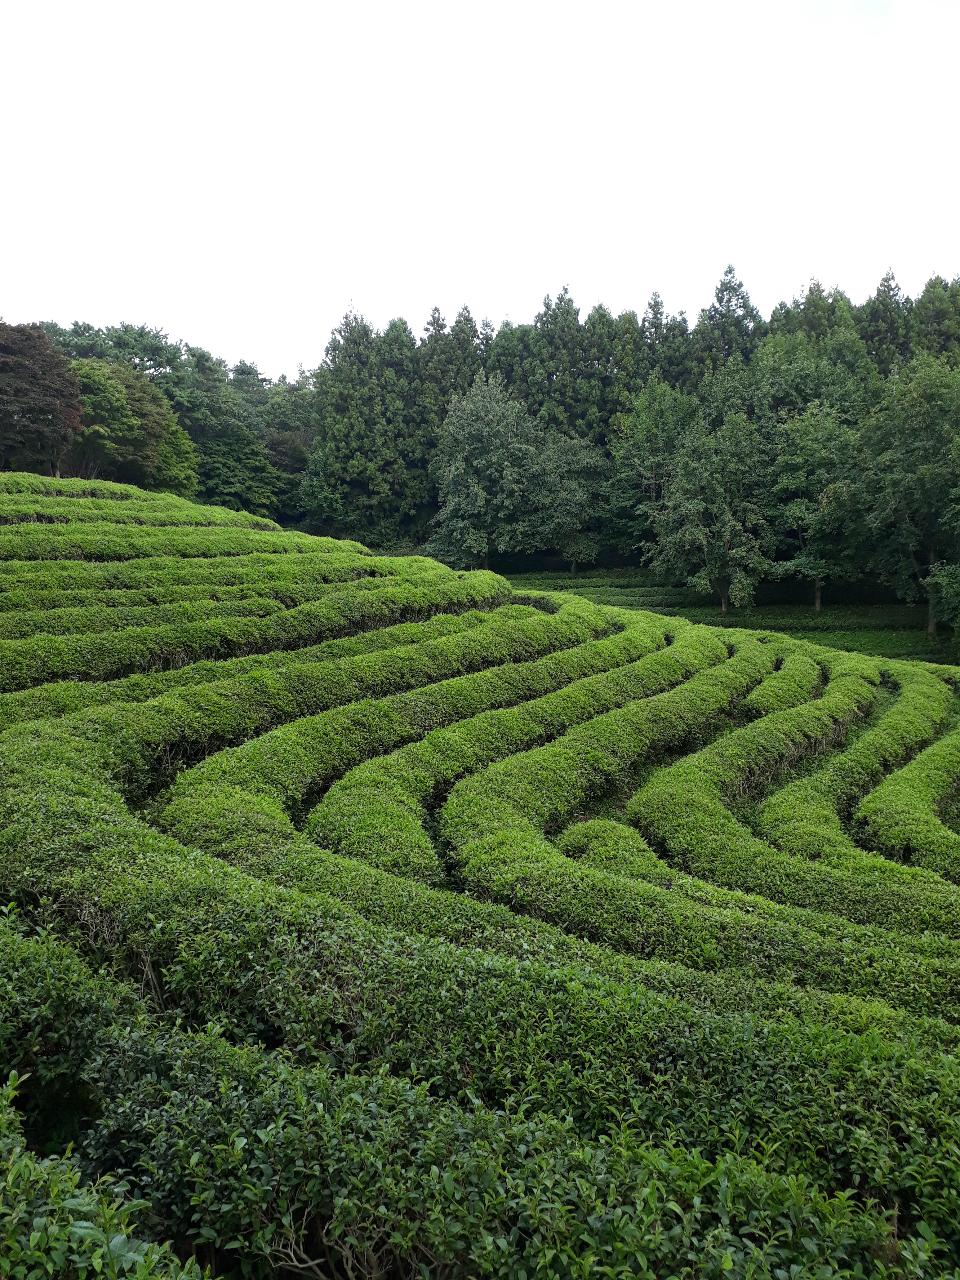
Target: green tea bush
[43,658]
[807,817]
[106,541]
[901,815]
[227,1142]
[163,510]
[371,919]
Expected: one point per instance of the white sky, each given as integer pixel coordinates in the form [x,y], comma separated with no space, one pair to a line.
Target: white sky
[240,174]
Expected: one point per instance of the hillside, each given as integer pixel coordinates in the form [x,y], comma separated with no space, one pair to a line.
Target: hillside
[372,918]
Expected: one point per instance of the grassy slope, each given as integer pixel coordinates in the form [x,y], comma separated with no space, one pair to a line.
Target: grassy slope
[376,919]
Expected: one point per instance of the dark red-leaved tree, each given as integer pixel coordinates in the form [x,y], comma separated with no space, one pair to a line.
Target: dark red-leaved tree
[39,401]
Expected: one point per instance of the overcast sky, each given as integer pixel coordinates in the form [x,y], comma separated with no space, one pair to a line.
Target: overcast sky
[241,174]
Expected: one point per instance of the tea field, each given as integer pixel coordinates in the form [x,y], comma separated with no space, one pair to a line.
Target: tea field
[367,918]
[885,631]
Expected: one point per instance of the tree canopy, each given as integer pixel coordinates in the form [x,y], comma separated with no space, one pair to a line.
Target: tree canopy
[817,444]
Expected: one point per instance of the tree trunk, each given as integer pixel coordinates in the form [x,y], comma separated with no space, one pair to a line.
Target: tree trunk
[817,595]
[573,568]
[931,617]
[724,596]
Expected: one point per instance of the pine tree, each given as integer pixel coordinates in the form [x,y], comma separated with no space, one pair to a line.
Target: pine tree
[935,319]
[368,471]
[668,343]
[883,322]
[730,326]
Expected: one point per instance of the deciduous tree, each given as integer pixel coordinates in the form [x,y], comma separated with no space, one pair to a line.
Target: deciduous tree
[39,401]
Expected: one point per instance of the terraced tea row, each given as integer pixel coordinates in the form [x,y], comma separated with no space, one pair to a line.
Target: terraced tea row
[888,631]
[370,918]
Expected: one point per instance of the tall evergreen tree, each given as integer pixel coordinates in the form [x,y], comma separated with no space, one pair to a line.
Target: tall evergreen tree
[816,314]
[884,325]
[668,342]
[935,319]
[731,326]
[447,361]
[367,474]
[600,388]
[290,419]
[631,369]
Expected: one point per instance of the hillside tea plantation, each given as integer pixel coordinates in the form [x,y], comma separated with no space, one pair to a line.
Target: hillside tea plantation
[366,918]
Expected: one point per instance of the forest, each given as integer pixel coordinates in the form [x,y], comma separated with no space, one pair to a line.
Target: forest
[817,448]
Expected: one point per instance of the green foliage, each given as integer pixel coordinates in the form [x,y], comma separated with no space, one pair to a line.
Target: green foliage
[912,475]
[935,319]
[39,401]
[884,322]
[503,484]
[714,525]
[819,516]
[368,469]
[54,1225]
[354,446]
[644,453]
[369,917]
[730,327]
[129,432]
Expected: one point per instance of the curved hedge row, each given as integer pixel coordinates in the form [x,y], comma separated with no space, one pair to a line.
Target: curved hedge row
[45,579]
[55,618]
[372,919]
[796,680]
[106,541]
[17,509]
[686,809]
[380,810]
[24,663]
[62,697]
[460,1191]
[24,624]
[901,815]
[806,817]
[273,968]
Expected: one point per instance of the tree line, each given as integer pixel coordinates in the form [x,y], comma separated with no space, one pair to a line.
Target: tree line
[819,444]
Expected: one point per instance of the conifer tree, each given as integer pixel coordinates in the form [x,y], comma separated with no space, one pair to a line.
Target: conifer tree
[884,325]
